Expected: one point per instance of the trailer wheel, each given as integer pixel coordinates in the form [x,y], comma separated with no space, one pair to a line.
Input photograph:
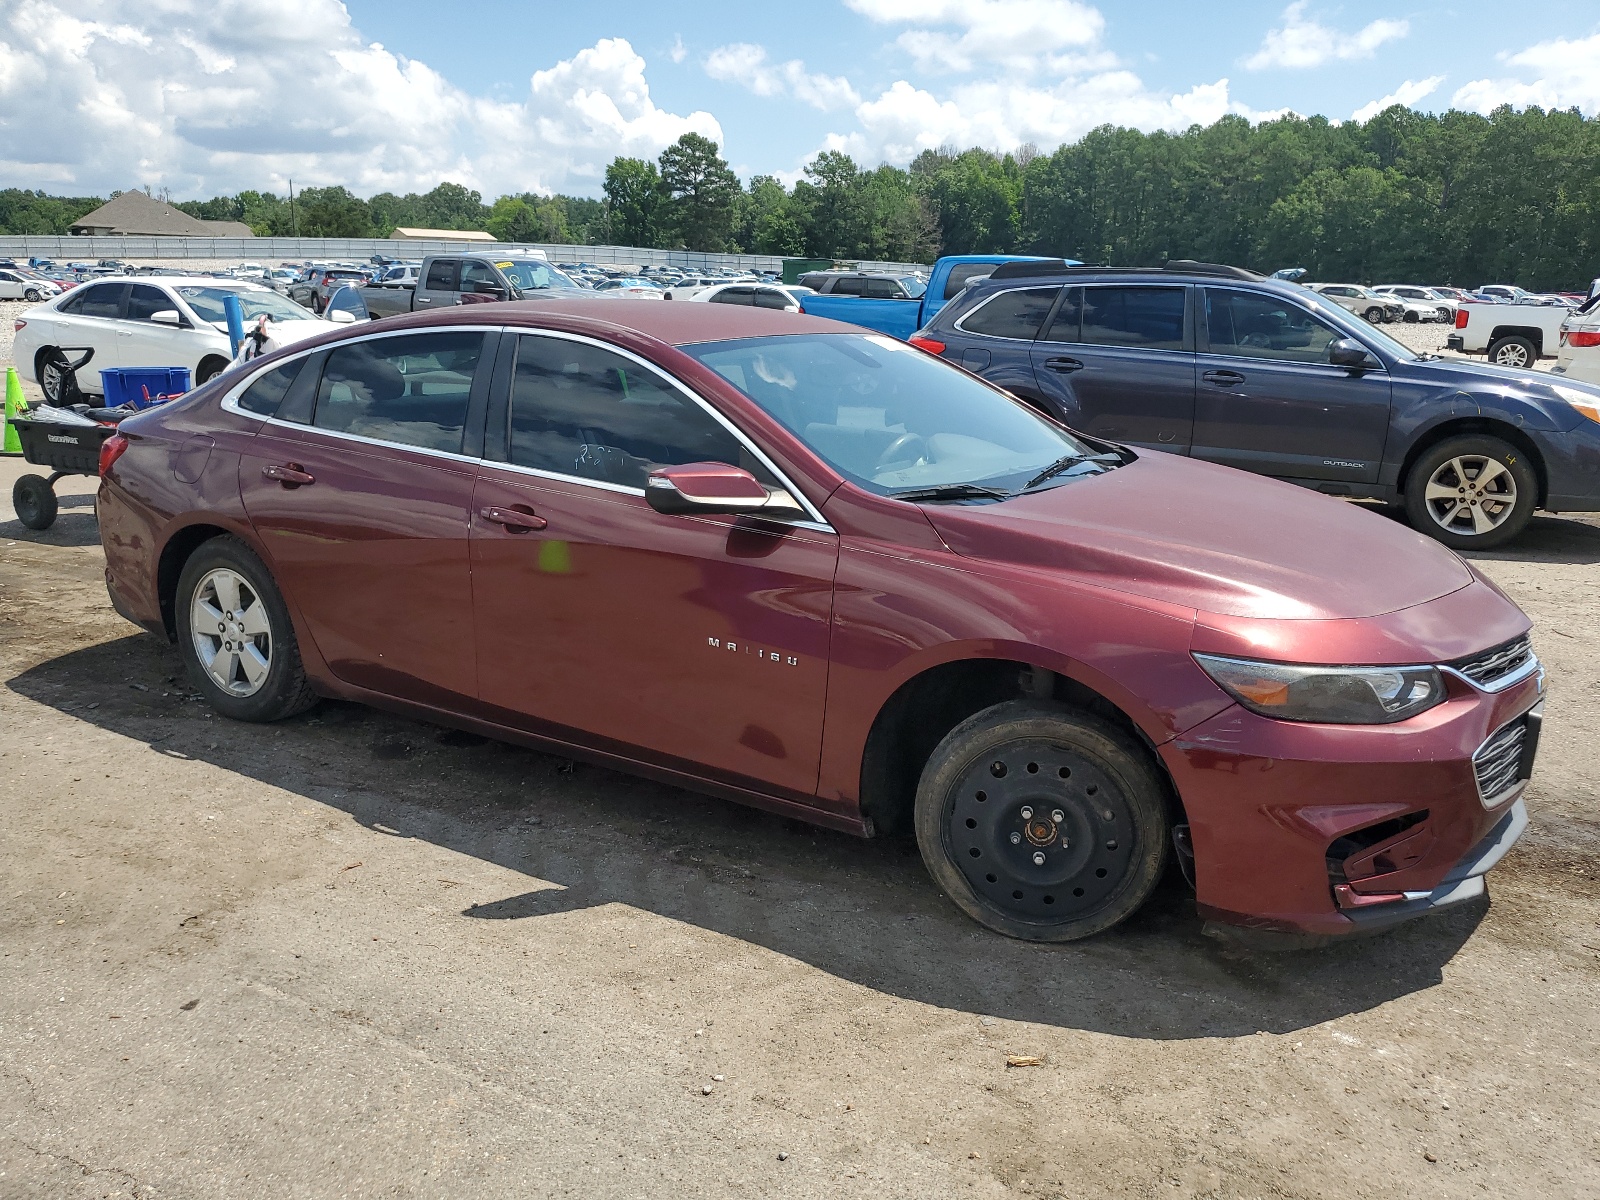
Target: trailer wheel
[34,502]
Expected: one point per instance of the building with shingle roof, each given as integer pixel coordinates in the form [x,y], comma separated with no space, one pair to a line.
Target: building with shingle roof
[135,214]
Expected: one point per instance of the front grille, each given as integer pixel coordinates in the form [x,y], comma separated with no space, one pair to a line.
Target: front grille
[1491,666]
[1498,762]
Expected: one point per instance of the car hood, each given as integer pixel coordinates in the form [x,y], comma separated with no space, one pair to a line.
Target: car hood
[286,333]
[1213,539]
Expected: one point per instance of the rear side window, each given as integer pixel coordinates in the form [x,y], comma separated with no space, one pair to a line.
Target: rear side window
[584,411]
[264,395]
[1016,314]
[961,272]
[101,300]
[412,390]
[1150,318]
[441,275]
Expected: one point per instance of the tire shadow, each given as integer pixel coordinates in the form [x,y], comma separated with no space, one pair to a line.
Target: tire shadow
[865,911]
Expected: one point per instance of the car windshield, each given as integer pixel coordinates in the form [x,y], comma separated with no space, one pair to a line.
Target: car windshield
[531,275]
[892,418]
[256,302]
[914,286]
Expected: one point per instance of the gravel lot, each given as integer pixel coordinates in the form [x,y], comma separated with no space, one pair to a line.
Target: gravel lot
[354,955]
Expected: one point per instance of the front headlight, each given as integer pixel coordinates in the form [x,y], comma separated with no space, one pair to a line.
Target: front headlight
[1333,695]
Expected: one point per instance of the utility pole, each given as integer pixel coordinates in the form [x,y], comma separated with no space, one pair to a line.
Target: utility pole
[294,223]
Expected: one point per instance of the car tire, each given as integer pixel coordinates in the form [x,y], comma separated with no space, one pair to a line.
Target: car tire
[1410,317]
[32,294]
[1096,818]
[1444,482]
[1514,351]
[1374,316]
[52,371]
[249,666]
[34,502]
[209,369]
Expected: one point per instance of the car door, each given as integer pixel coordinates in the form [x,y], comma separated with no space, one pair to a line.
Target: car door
[88,321]
[10,286]
[360,488]
[1270,401]
[142,342]
[676,639]
[1117,360]
[441,287]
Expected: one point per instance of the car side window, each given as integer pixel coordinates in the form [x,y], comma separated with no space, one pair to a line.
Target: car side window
[1246,325]
[441,275]
[1150,318]
[769,298]
[478,277]
[264,395]
[411,389]
[1016,314]
[960,273]
[584,411]
[101,300]
[883,289]
[145,301]
[732,296]
[1067,324]
[848,286]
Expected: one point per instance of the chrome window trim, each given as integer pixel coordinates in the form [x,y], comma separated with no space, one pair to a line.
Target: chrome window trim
[960,323]
[679,385]
[379,442]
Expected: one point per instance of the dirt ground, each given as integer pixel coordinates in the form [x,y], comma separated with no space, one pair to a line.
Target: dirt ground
[353,955]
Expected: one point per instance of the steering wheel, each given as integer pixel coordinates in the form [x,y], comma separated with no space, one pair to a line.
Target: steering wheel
[895,450]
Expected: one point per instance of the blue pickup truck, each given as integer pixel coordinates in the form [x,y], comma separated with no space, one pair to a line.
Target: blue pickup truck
[898,305]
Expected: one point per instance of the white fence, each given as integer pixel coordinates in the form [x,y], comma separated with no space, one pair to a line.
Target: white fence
[270,251]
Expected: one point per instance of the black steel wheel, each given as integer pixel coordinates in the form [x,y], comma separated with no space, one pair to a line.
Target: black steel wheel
[1042,823]
[34,502]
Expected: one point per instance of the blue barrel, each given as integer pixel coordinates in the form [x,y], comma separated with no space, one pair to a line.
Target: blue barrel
[128,385]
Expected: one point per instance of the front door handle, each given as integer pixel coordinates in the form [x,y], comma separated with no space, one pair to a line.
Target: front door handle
[515,520]
[291,475]
[1223,378]
[1063,366]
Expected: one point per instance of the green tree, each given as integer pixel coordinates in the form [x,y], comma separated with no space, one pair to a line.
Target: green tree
[333,212]
[702,191]
[633,201]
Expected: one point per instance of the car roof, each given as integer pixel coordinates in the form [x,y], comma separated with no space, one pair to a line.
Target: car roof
[186,281]
[676,324]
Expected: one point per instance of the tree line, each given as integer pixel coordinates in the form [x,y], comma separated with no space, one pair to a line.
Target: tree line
[1453,197]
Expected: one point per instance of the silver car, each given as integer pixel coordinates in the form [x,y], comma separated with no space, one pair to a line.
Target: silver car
[1362,301]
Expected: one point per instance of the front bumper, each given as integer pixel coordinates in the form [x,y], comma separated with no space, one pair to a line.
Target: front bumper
[1277,811]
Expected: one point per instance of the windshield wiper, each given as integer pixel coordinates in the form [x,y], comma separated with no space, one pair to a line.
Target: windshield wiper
[952,491]
[1067,462]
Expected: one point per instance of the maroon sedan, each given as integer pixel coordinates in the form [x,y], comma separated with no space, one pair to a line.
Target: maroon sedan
[806,567]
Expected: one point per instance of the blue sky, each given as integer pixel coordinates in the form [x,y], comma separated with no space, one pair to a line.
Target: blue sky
[207,96]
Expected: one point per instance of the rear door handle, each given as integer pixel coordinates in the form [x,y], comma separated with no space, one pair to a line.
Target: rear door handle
[1064,366]
[513,519]
[1223,378]
[288,474]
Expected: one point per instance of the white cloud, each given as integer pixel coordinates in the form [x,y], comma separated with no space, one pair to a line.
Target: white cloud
[679,51]
[210,96]
[1567,76]
[1021,35]
[749,66]
[1303,42]
[1408,93]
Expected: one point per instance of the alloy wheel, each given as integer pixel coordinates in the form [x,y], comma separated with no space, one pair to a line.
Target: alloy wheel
[1471,495]
[232,632]
[1040,831]
[1512,354]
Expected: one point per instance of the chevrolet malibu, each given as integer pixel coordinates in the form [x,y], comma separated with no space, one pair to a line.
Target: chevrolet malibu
[791,563]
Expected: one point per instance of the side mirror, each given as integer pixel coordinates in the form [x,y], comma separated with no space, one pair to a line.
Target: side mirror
[167,316]
[710,487]
[342,316]
[1347,352]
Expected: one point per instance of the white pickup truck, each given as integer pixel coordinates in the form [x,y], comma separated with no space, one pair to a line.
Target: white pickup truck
[1513,335]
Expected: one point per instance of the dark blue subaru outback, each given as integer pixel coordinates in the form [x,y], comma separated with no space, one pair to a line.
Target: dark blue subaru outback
[1221,363]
